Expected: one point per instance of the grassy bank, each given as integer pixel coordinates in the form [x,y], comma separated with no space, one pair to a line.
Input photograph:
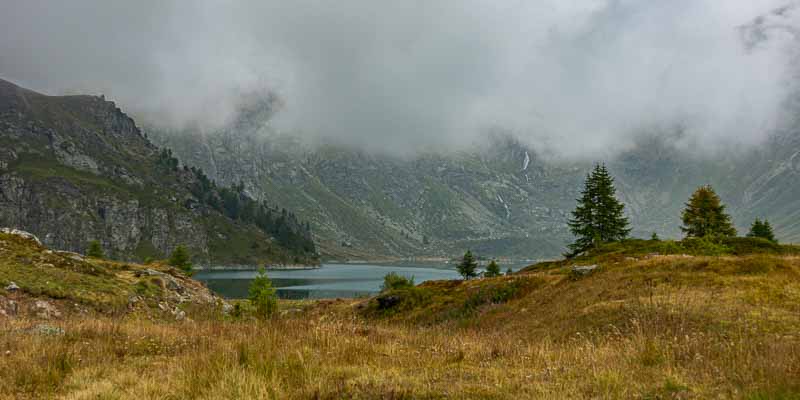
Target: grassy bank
[641,326]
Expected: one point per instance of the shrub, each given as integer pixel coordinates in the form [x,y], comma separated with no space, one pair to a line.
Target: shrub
[393,280]
[262,295]
[706,246]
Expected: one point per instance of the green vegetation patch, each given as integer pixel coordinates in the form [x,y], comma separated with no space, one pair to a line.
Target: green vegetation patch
[437,301]
[41,273]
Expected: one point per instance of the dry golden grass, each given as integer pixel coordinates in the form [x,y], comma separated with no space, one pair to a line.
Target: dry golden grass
[656,328]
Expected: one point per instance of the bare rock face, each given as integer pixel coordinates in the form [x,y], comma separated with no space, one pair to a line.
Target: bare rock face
[45,310]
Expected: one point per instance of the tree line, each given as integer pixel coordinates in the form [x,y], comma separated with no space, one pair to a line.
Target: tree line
[236,204]
[599,216]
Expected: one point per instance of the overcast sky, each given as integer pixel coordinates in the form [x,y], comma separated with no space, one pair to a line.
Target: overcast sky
[574,77]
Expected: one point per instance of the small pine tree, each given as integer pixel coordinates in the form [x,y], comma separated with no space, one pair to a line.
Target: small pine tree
[262,295]
[492,270]
[704,215]
[468,266]
[180,259]
[599,217]
[509,271]
[654,237]
[762,229]
[95,250]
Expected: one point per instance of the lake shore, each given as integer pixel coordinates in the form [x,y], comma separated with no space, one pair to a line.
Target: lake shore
[289,267]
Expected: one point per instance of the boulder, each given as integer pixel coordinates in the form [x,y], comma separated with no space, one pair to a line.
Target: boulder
[583,269]
[45,310]
[23,234]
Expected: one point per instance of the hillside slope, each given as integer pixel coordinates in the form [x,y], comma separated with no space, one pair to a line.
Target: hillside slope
[506,199]
[641,325]
[75,169]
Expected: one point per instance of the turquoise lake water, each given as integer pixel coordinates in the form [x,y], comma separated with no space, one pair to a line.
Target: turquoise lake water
[330,281]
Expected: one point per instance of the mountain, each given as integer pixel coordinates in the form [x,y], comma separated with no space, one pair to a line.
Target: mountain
[75,169]
[504,199]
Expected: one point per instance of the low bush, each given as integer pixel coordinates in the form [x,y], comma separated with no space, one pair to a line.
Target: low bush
[393,280]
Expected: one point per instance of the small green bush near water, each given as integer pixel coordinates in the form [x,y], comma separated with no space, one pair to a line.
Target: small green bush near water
[393,280]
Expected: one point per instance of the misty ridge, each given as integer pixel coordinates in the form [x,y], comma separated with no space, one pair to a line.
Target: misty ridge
[572,80]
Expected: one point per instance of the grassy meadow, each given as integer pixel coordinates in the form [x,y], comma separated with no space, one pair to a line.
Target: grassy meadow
[641,326]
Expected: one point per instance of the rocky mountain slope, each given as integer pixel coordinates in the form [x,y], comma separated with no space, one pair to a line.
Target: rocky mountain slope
[36,282]
[75,169]
[504,199]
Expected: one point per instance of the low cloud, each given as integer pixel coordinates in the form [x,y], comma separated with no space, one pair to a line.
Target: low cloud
[573,78]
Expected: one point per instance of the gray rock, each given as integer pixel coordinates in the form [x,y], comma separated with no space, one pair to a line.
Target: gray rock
[12,287]
[45,310]
[23,234]
[583,269]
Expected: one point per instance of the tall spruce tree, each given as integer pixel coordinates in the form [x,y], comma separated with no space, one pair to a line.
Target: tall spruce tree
[468,266]
[762,229]
[599,216]
[705,215]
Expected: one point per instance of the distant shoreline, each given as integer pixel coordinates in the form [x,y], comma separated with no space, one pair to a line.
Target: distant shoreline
[291,267]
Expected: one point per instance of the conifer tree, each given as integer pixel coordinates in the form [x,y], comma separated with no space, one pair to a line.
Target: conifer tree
[180,259]
[599,216]
[492,270]
[468,266]
[705,215]
[95,250]
[761,229]
[262,295]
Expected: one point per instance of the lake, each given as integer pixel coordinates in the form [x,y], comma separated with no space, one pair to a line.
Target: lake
[330,281]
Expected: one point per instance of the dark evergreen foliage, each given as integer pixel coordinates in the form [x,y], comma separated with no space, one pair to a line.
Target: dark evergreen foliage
[599,216]
[95,250]
[492,270]
[468,268]
[180,259]
[762,229]
[705,215]
[234,203]
[262,295]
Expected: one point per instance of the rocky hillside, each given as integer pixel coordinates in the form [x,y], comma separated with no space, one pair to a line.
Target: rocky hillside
[75,169]
[36,282]
[505,199]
